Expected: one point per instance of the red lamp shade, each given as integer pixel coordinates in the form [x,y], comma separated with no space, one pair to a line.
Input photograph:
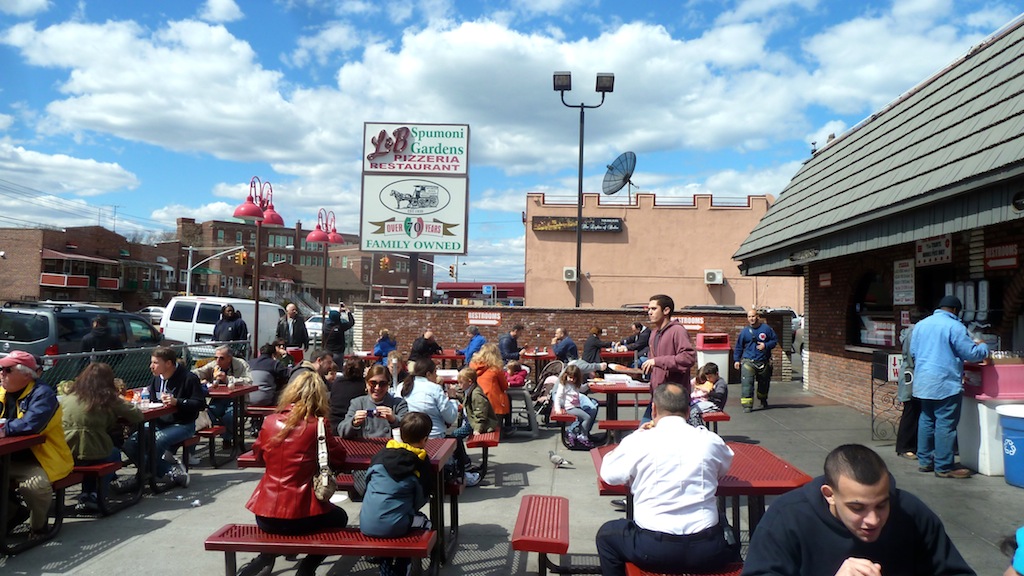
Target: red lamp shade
[249,212]
[317,236]
[272,218]
[335,238]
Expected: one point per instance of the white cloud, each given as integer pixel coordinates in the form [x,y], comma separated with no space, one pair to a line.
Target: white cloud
[62,174]
[212,211]
[24,7]
[735,183]
[335,37]
[865,63]
[820,136]
[747,10]
[5,121]
[220,11]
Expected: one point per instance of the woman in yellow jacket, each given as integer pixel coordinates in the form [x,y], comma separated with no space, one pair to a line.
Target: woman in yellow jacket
[31,407]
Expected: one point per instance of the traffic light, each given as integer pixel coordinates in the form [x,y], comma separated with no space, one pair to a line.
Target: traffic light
[385,263]
[241,257]
[451,270]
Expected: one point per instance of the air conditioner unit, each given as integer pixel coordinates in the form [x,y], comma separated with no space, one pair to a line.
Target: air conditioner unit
[569,274]
[714,277]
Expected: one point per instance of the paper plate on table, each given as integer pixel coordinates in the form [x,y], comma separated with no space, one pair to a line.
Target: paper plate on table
[152,405]
[623,369]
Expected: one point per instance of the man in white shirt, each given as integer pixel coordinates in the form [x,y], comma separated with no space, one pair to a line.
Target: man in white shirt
[675,527]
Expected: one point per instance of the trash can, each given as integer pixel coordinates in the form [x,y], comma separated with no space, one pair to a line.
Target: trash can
[713,347]
[1011,418]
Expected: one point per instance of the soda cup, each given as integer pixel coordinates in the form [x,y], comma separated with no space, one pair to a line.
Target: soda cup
[3,427]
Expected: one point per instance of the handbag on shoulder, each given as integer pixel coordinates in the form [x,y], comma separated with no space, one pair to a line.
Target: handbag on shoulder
[324,483]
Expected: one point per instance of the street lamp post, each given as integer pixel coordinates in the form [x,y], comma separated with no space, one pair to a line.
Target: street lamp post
[325,222]
[258,208]
[563,83]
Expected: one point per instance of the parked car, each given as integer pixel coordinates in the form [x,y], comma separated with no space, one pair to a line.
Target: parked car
[55,328]
[315,328]
[152,313]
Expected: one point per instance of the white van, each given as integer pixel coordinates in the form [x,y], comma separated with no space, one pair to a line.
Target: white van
[191,318]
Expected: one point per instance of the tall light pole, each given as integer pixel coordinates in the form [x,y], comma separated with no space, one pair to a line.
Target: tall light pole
[326,234]
[563,83]
[258,208]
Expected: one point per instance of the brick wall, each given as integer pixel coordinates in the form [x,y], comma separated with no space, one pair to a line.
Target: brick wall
[840,369]
[407,322]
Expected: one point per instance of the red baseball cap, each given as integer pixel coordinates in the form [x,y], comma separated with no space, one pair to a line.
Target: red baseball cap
[19,357]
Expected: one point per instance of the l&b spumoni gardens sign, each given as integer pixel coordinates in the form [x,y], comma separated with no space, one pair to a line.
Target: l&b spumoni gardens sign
[415,188]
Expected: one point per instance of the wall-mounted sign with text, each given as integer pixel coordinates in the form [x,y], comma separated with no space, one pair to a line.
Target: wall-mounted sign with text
[934,250]
[416,148]
[426,215]
[568,224]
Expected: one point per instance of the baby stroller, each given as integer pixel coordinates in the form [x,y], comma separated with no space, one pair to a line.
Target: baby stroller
[544,385]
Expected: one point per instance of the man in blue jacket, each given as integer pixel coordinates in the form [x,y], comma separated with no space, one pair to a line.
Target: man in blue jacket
[940,347]
[753,358]
[563,347]
[476,342]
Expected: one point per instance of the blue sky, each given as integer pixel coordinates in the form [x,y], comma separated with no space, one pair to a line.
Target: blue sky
[131,114]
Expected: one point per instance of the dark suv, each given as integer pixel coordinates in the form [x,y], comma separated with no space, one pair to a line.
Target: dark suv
[55,328]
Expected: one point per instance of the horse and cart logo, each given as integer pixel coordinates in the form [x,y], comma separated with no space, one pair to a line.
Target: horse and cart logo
[423,196]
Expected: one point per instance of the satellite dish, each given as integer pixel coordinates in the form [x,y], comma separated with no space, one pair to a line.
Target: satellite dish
[619,173]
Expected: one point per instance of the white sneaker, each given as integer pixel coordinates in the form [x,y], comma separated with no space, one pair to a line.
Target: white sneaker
[472,479]
[179,475]
[194,460]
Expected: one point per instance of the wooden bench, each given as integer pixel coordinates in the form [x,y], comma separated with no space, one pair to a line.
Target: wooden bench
[97,472]
[543,527]
[733,569]
[485,441]
[234,538]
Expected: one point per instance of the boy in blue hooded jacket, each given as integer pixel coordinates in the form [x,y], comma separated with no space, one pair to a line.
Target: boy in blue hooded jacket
[398,484]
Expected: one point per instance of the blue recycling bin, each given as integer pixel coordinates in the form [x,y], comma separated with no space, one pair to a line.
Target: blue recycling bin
[1011,418]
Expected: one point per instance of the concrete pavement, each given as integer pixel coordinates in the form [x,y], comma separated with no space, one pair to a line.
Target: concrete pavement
[164,534]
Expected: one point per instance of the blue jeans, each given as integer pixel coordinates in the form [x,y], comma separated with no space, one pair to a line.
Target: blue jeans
[167,437]
[222,411]
[584,418]
[621,541]
[936,432]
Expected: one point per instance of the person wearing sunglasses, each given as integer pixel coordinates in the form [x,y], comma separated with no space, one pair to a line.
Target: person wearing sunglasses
[30,407]
[376,413]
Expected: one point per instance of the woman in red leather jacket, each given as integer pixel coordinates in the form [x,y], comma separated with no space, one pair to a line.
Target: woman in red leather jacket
[284,502]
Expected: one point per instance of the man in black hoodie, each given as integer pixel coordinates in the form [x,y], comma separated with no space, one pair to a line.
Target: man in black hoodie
[174,385]
[100,339]
[852,521]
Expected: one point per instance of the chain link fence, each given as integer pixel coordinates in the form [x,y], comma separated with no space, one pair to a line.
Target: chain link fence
[132,365]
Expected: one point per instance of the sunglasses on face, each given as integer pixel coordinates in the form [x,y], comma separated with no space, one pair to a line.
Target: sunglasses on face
[7,370]
[378,383]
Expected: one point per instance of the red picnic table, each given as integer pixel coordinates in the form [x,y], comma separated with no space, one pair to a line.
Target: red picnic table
[358,454]
[448,355]
[8,446]
[756,472]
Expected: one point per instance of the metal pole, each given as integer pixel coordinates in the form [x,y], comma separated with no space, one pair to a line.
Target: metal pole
[373,263]
[188,273]
[256,294]
[323,294]
[579,217]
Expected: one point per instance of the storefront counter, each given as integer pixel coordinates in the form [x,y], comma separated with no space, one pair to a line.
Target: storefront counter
[979,434]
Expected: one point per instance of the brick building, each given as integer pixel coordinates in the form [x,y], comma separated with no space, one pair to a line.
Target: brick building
[922,199]
[85,264]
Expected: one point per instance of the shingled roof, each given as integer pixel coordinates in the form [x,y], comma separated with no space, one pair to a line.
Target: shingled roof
[958,131]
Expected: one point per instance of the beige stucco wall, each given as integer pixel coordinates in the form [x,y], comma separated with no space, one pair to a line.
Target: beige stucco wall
[662,249]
